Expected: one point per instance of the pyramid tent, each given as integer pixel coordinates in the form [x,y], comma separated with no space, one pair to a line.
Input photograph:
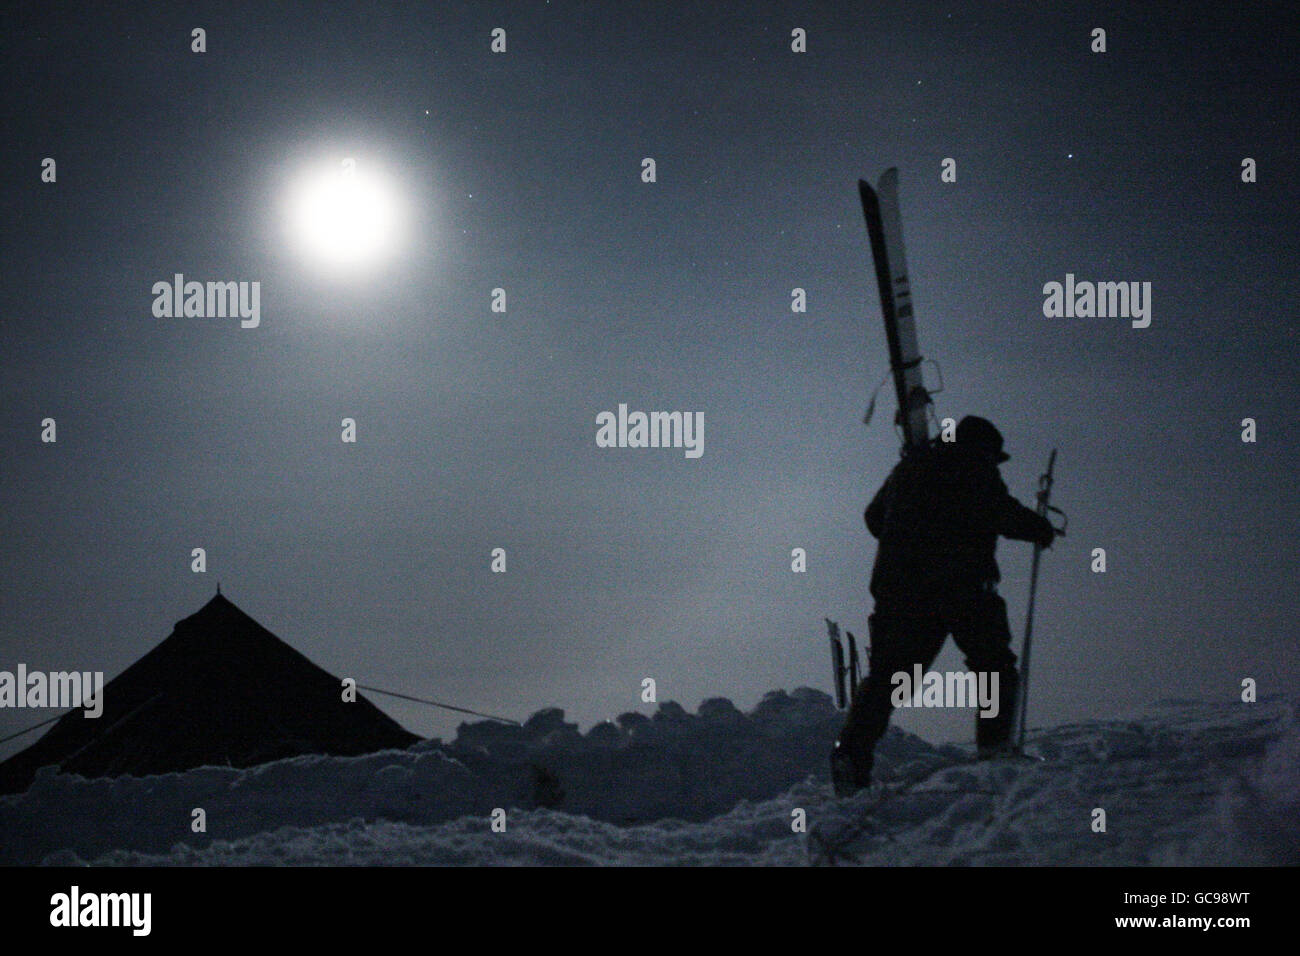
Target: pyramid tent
[220,690]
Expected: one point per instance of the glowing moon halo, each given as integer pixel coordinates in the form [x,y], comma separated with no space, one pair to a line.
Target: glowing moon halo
[344,218]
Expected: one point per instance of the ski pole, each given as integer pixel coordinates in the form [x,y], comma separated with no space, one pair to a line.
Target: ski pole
[1044,493]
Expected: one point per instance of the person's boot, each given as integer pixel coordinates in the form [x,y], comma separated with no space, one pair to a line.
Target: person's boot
[848,775]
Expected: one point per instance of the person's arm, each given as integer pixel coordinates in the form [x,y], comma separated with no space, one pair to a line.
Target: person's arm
[1000,513]
[1019,523]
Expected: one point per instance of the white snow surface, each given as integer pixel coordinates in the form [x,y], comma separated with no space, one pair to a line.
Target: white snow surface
[1188,783]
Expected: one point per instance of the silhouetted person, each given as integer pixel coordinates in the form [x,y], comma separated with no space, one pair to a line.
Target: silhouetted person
[938,517]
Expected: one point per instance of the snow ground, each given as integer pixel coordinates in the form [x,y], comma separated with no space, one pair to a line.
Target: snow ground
[1189,783]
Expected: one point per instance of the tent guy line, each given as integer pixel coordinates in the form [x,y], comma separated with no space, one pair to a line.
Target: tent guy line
[30,729]
[434,703]
[373,690]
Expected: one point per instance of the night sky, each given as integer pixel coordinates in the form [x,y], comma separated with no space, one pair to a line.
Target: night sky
[476,430]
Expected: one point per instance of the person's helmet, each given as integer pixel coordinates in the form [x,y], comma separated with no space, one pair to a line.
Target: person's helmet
[980,434]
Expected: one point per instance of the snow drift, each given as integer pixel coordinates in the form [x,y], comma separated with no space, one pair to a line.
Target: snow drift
[1190,783]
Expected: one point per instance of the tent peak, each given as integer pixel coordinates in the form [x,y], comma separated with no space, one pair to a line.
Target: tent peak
[218,606]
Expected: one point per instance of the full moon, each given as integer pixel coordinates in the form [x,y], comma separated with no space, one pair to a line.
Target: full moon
[344,218]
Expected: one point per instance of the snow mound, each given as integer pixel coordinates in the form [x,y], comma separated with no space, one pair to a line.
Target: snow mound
[1191,783]
[635,769]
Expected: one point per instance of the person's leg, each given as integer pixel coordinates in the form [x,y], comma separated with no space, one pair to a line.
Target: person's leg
[899,641]
[981,631]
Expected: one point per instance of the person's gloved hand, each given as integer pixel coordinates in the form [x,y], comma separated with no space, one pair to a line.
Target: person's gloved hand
[1046,535]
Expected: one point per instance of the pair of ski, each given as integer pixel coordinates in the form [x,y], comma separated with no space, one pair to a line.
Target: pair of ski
[885,227]
[846,663]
